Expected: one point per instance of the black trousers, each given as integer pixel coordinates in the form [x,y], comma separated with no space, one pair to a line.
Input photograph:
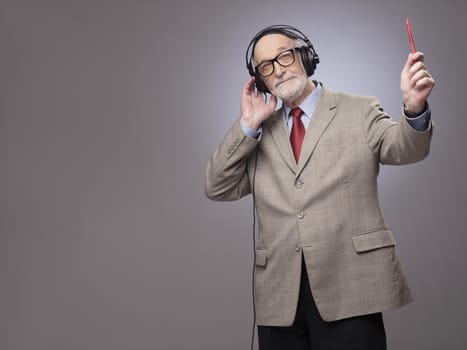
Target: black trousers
[310,332]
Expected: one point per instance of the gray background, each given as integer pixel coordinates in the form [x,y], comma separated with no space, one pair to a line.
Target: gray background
[109,111]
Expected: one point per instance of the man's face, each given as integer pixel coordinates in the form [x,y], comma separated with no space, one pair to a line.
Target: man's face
[287,83]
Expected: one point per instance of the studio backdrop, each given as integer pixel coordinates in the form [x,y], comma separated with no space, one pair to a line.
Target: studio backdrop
[109,112]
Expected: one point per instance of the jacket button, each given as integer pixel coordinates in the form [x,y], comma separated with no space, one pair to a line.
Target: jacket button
[299,184]
[301,216]
[298,248]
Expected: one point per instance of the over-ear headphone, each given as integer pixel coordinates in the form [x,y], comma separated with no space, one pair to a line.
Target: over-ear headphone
[307,53]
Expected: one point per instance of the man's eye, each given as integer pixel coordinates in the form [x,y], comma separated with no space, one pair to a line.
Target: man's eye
[285,56]
[266,66]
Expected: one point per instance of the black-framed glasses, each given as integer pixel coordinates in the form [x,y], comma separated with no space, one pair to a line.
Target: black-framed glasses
[285,59]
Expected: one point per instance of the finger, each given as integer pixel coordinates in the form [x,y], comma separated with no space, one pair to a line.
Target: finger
[417,66]
[249,85]
[424,83]
[418,56]
[272,101]
[408,63]
[419,76]
[412,58]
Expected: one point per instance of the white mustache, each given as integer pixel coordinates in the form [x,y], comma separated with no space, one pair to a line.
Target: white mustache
[285,79]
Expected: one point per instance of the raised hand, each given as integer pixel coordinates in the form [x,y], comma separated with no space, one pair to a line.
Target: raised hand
[416,83]
[254,110]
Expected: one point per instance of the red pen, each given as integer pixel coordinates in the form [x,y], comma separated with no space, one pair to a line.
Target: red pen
[409,30]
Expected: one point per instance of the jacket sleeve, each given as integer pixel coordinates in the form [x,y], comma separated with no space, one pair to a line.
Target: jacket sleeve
[226,173]
[391,142]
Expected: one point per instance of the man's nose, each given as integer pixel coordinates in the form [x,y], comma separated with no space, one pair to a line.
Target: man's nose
[278,69]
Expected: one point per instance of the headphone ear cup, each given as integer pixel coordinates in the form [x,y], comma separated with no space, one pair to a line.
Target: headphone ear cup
[260,85]
[308,59]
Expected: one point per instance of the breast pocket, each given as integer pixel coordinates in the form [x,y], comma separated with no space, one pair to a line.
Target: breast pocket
[338,139]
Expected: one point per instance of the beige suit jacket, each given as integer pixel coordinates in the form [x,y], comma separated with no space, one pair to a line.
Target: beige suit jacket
[325,207]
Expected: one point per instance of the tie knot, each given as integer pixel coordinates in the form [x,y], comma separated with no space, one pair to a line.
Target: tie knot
[296,112]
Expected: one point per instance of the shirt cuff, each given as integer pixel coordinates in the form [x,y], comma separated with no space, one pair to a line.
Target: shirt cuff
[420,123]
[255,134]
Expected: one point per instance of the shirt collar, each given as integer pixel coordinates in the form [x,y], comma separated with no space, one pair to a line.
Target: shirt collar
[309,104]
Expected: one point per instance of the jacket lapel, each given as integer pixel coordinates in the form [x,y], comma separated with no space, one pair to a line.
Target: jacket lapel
[324,113]
[280,138]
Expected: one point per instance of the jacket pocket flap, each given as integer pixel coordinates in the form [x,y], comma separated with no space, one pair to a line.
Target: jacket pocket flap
[261,257]
[373,240]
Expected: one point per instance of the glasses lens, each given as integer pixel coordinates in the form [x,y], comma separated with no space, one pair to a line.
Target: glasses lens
[286,58]
[266,68]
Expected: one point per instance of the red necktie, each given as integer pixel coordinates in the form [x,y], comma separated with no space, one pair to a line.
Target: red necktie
[298,132]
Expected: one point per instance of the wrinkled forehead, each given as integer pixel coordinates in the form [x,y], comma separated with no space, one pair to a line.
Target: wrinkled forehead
[270,45]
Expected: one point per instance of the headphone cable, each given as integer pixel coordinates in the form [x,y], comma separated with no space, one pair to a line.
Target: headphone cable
[254,252]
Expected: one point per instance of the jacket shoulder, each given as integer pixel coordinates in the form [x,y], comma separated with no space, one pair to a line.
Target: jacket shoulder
[343,98]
